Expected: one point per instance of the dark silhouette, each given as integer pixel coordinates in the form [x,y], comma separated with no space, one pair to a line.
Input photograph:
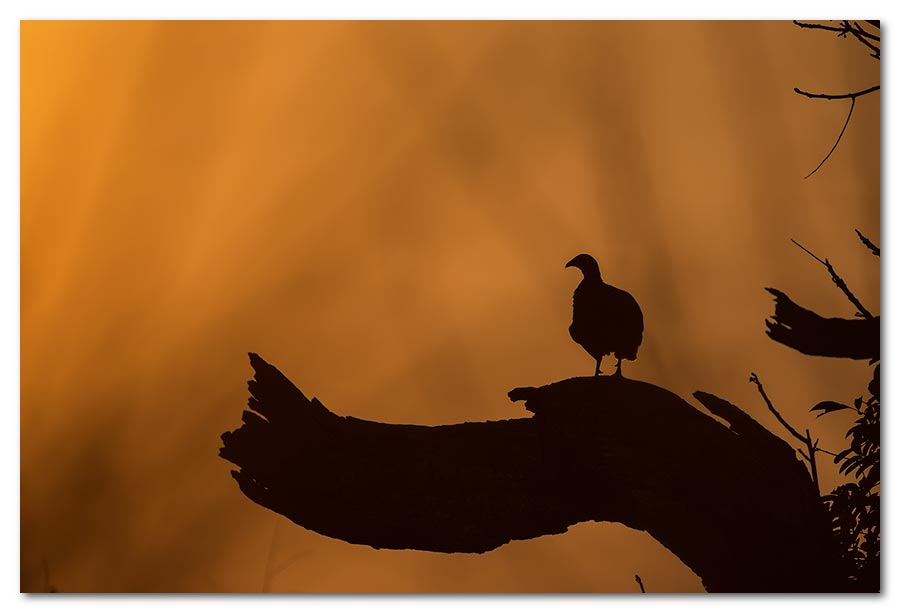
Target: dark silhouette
[854,507]
[605,319]
[640,583]
[871,41]
[732,502]
[812,334]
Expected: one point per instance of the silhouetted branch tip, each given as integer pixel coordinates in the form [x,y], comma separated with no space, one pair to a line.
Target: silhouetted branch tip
[839,282]
[810,456]
[865,38]
[865,241]
[640,583]
[755,380]
[810,333]
[817,26]
[845,28]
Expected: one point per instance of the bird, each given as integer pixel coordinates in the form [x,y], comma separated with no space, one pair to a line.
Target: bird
[605,319]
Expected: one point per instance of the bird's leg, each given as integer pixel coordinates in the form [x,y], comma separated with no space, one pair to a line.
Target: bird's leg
[597,370]
[619,368]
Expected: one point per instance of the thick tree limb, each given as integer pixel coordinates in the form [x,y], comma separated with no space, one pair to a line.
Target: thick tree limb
[812,334]
[733,503]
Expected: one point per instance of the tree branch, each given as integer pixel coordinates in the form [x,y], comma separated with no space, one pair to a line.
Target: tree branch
[836,142]
[865,241]
[812,334]
[856,94]
[810,456]
[781,420]
[838,281]
[640,583]
[863,37]
[842,30]
[818,26]
[734,504]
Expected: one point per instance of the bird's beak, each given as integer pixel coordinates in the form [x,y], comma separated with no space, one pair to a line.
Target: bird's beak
[570,263]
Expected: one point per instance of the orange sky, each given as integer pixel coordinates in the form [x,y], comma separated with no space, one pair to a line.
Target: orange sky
[383,211]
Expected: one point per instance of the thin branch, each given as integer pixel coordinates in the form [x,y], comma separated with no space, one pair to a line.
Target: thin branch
[857,94]
[842,29]
[762,392]
[640,583]
[815,257]
[872,246]
[838,281]
[834,146]
[811,455]
[863,32]
[862,36]
[818,26]
[812,459]
[817,448]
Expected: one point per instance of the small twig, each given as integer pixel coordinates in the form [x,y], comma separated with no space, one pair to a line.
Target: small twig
[836,142]
[640,583]
[863,36]
[852,96]
[865,241]
[842,30]
[818,26]
[762,392]
[838,281]
[863,32]
[810,446]
[831,453]
[857,94]
[820,260]
[812,459]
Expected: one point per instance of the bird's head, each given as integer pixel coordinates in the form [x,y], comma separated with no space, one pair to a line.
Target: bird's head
[586,264]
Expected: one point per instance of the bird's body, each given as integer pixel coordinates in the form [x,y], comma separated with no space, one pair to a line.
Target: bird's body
[605,319]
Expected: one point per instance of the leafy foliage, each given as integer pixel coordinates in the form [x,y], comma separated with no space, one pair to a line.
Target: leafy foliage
[855,507]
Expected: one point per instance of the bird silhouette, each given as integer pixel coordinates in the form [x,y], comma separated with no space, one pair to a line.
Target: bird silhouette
[605,319]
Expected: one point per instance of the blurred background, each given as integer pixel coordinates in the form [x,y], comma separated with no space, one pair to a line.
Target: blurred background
[384,210]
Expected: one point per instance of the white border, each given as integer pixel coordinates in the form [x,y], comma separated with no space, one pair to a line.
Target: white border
[394,9]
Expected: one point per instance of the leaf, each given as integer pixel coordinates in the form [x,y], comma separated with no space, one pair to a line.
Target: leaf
[828,406]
